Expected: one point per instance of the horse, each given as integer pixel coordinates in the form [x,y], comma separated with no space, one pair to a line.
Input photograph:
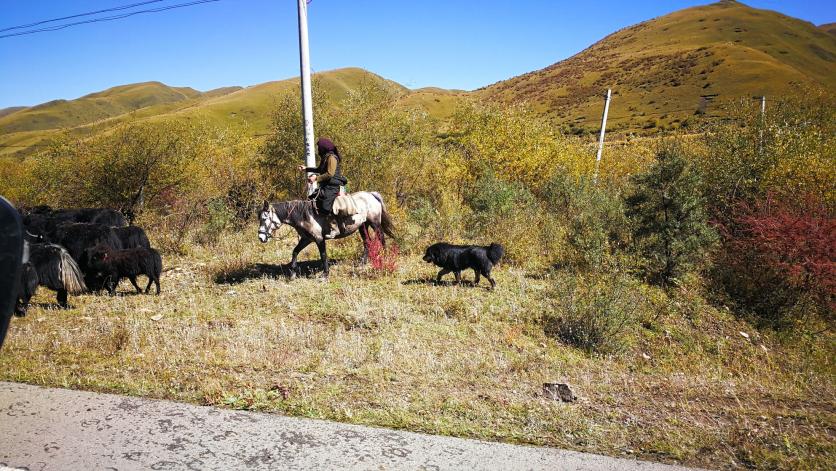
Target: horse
[309,223]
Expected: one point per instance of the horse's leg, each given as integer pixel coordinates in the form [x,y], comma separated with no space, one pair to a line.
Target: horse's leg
[303,242]
[364,234]
[378,232]
[324,256]
[443,272]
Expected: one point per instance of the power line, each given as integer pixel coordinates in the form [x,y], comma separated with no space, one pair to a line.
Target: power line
[109,18]
[124,7]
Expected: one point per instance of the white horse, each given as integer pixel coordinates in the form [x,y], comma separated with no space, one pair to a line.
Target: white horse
[313,225]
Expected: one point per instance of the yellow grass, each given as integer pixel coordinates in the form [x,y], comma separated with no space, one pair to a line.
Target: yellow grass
[397,351]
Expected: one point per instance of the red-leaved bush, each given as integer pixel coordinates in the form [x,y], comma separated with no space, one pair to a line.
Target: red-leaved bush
[784,249]
[382,259]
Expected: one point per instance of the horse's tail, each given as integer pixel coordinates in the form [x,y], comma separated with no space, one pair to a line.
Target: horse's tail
[385,220]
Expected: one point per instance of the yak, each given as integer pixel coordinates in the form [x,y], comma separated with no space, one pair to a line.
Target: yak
[132,237]
[54,269]
[113,265]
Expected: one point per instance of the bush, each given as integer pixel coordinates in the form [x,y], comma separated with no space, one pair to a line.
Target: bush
[789,152]
[779,261]
[670,225]
[594,219]
[593,314]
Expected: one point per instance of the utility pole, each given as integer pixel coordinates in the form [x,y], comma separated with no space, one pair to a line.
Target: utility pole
[603,131]
[763,105]
[305,72]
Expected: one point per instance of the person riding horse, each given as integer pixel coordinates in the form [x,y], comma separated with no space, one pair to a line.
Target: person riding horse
[327,175]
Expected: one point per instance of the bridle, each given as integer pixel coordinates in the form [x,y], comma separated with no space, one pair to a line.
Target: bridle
[267,230]
[275,222]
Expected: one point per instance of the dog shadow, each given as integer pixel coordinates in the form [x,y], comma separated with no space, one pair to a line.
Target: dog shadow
[432,282]
[307,269]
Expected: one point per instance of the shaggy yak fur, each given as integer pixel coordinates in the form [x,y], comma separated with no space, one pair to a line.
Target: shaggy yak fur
[113,265]
[54,269]
[79,237]
[106,216]
[132,237]
[455,258]
[43,220]
[28,287]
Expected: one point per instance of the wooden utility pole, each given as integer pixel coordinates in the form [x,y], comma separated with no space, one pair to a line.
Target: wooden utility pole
[305,72]
[603,131]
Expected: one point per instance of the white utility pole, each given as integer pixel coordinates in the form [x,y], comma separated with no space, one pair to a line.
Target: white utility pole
[603,131]
[763,105]
[305,72]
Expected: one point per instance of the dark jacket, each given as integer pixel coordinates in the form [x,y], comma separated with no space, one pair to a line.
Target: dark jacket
[330,179]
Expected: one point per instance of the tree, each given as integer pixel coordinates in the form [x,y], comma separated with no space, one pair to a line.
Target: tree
[670,224]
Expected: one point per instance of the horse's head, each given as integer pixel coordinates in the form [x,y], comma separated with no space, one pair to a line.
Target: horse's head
[268,222]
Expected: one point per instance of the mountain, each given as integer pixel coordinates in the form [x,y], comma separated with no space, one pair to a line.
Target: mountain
[96,106]
[828,28]
[659,69]
[23,131]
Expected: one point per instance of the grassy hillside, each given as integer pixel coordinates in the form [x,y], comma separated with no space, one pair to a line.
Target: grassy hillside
[659,69]
[26,130]
[829,28]
[96,106]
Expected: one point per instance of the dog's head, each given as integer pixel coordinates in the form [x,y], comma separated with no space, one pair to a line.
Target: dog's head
[430,254]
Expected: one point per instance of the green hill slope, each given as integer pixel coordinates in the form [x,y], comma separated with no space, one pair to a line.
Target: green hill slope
[23,131]
[659,69]
[96,106]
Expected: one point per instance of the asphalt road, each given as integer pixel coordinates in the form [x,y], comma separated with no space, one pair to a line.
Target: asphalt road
[46,429]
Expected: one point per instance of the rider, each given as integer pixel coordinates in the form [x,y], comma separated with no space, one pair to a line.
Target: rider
[328,175]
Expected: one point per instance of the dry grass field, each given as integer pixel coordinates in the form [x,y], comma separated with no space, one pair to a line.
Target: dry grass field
[688,384]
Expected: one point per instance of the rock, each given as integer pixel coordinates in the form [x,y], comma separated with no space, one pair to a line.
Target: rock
[744,335]
[558,392]
[157,317]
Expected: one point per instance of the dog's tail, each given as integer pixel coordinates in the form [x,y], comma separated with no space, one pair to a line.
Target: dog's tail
[495,252]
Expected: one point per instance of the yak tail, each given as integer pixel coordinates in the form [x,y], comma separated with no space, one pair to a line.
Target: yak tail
[70,275]
[385,220]
[495,252]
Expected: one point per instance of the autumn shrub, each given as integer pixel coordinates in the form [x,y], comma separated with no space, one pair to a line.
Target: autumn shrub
[789,152]
[779,260]
[595,228]
[592,313]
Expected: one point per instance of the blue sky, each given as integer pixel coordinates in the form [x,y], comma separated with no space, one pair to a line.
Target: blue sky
[462,44]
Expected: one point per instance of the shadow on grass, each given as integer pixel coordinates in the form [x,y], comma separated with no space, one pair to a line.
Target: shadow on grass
[256,271]
[432,282]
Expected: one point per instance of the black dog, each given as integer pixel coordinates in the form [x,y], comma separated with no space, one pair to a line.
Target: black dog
[455,258]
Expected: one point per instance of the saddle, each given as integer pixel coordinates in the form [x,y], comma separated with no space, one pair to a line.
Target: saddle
[346,210]
[345,206]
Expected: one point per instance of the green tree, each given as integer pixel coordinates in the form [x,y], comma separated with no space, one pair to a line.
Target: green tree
[670,224]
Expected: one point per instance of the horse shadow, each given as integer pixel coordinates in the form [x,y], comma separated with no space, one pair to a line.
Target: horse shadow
[255,271]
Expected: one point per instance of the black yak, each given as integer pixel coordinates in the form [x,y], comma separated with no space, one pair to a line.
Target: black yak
[28,287]
[78,238]
[56,270]
[113,265]
[105,216]
[132,237]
